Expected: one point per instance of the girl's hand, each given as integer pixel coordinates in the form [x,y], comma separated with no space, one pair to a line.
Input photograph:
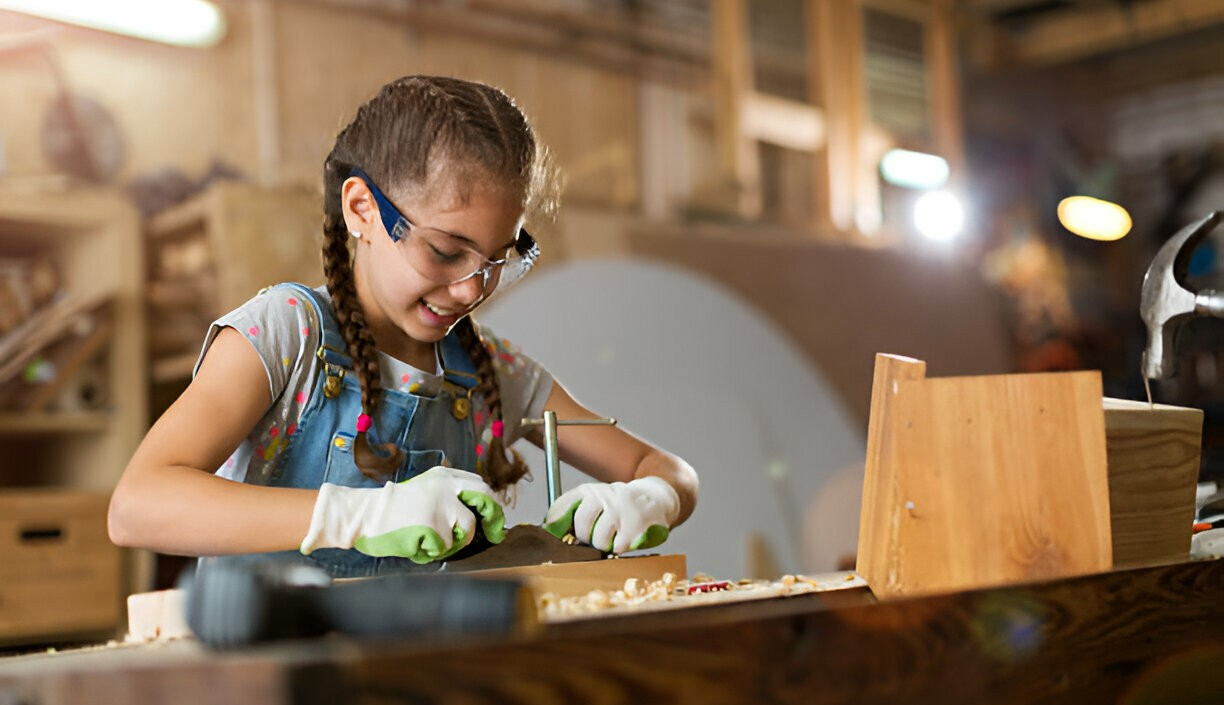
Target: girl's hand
[426,518]
[617,516]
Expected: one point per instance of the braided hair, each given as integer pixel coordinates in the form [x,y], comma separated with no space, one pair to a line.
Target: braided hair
[419,134]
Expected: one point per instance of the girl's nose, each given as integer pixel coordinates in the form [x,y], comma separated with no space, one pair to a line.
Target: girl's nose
[470,290]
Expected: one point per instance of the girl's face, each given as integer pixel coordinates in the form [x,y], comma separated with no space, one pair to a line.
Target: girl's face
[403,285]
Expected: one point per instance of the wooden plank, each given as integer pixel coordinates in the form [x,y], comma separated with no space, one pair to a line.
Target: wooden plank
[877,541]
[984,481]
[1153,469]
[157,615]
[55,423]
[569,579]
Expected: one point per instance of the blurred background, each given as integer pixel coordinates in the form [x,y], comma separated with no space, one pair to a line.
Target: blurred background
[762,195]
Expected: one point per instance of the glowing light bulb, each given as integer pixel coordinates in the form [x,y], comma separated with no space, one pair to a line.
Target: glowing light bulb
[939,215]
[1093,218]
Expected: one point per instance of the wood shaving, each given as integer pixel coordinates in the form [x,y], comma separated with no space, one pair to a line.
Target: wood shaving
[670,592]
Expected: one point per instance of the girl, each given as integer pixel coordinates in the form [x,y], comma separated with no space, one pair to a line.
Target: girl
[366,423]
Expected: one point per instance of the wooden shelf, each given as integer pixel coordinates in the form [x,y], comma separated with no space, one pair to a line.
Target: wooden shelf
[61,422]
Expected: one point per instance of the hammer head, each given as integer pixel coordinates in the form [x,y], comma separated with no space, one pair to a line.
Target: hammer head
[1166,301]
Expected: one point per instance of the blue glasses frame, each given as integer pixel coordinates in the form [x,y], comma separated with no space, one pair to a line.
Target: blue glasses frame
[398,226]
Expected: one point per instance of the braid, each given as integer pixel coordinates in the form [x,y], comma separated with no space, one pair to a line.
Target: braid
[338,268]
[502,466]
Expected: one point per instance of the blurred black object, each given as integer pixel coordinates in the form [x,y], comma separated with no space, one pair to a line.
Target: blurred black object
[233,603]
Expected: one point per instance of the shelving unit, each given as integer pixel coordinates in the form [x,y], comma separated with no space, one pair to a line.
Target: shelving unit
[214,251]
[60,464]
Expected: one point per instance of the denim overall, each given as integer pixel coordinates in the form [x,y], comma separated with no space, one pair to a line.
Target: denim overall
[430,431]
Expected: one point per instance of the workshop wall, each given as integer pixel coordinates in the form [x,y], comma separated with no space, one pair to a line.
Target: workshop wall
[269,103]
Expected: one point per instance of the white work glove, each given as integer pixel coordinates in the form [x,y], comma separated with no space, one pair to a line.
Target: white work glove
[618,516]
[426,518]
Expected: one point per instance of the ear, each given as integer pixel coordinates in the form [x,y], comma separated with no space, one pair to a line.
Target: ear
[357,203]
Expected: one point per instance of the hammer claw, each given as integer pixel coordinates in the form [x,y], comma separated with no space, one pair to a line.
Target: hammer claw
[1167,300]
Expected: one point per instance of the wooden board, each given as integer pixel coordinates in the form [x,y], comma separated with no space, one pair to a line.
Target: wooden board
[1153,469]
[975,481]
[568,579]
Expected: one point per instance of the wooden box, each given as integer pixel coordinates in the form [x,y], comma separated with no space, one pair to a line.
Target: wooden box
[978,481]
[59,572]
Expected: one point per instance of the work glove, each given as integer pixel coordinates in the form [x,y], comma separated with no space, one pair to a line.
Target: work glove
[426,518]
[616,517]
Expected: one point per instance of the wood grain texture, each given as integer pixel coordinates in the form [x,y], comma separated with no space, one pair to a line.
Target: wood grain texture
[1130,637]
[986,480]
[1154,456]
[877,539]
[1109,638]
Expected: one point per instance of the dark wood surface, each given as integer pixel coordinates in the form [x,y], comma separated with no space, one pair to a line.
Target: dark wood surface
[1147,635]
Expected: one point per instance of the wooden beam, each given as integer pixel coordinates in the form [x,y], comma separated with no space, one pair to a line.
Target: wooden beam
[783,122]
[835,75]
[944,77]
[1092,29]
[739,168]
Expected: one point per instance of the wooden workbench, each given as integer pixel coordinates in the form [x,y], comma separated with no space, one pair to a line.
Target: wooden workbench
[1143,635]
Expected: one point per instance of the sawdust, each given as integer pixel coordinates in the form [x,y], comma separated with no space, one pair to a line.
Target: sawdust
[672,593]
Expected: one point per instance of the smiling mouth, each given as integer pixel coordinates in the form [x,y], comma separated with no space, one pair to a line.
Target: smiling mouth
[444,312]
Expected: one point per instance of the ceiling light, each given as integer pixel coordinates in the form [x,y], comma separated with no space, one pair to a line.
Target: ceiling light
[901,167]
[189,23]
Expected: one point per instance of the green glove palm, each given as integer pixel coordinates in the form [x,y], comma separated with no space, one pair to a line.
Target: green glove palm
[427,518]
[616,517]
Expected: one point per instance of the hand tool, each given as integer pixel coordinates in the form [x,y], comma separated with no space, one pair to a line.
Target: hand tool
[551,457]
[1167,301]
[527,544]
[238,603]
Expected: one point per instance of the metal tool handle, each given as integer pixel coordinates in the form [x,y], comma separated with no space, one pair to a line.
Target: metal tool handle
[550,424]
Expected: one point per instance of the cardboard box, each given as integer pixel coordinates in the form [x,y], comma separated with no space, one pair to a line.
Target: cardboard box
[60,575]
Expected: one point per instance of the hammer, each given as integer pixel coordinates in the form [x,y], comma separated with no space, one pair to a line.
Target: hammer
[1167,302]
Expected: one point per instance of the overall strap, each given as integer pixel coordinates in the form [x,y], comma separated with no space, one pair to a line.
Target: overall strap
[332,348]
[457,367]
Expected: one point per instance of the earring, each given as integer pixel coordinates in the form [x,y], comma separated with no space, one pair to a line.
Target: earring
[355,234]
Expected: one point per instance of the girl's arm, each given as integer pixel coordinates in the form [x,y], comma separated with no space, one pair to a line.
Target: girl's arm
[612,454]
[169,500]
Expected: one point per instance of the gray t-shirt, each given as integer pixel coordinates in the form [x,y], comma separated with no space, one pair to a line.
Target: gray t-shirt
[284,330]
